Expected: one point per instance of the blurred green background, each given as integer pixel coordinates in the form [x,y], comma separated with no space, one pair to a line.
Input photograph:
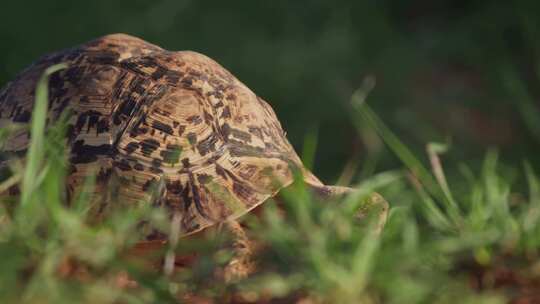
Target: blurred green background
[464,71]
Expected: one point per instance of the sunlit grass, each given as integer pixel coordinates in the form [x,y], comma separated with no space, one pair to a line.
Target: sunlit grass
[50,252]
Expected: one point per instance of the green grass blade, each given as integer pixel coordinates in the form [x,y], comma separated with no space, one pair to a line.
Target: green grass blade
[409,160]
[35,154]
[393,142]
[432,212]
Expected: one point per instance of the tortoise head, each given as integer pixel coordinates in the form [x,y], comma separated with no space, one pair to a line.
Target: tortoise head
[374,205]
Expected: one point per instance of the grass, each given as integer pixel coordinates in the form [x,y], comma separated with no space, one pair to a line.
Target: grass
[469,236]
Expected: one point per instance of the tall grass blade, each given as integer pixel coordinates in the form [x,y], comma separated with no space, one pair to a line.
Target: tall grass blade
[35,154]
[406,156]
[432,212]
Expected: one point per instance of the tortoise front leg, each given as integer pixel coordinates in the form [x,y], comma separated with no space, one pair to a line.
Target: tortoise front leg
[241,265]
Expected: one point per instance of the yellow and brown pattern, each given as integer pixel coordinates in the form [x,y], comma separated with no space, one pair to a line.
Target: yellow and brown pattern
[148,116]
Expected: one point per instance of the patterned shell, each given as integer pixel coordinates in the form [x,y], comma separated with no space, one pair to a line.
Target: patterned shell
[149,116]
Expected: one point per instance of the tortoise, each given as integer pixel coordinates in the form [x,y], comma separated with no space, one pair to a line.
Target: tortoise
[148,116]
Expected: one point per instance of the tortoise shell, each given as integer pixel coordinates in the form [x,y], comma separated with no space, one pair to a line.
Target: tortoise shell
[148,116]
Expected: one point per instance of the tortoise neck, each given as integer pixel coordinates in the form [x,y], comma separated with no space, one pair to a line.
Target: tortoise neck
[330,191]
